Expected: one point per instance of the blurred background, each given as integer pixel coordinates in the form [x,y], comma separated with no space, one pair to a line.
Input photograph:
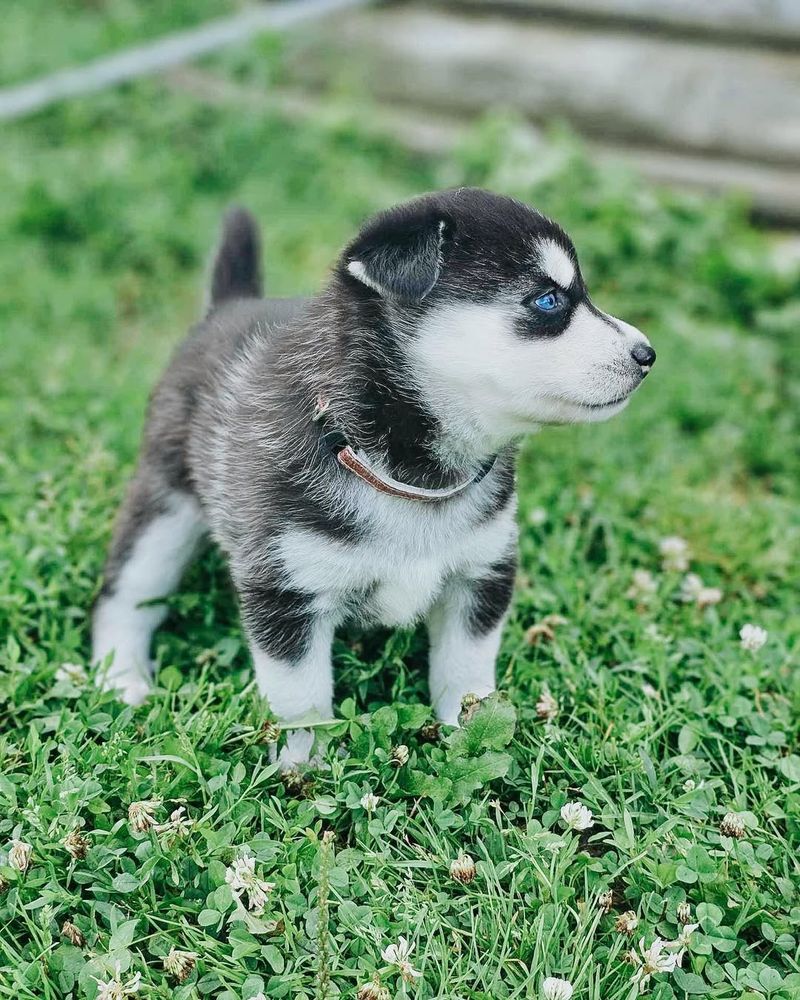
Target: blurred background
[698,94]
[702,94]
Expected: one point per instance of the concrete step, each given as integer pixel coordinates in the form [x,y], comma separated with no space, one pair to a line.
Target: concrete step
[613,86]
[743,22]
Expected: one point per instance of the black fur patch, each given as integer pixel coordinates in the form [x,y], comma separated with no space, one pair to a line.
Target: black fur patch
[504,474]
[390,418]
[491,596]
[400,251]
[279,621]
[287,494]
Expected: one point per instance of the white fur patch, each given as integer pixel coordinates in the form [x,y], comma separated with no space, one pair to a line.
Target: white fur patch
[556,263]
[411,552]
[152,570]
[460,662]
[485,382]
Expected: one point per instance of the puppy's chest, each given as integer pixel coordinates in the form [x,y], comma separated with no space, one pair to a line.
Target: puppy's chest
[393,574]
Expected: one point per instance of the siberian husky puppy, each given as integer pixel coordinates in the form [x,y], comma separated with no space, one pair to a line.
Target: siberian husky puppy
[353,453]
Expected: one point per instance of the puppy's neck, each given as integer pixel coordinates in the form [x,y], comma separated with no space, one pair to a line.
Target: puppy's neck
[378,404]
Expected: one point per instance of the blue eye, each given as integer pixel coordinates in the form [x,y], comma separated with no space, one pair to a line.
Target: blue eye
[547,302]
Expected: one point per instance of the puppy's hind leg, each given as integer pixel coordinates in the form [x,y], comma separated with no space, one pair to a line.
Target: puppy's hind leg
[155,537]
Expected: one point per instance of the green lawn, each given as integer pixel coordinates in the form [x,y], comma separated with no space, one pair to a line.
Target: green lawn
[40,36]
[663,723]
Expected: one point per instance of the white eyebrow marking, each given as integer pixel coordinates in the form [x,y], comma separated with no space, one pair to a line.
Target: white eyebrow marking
[556,264]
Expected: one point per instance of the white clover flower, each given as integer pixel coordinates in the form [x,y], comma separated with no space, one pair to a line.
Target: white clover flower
[752,637]
[708,596]
[371,991]
[682,941]
[654,634]
[75,673]
[463,869]
[656,958]
[691,586]
[399,755]
[77,844]
[605,901]
[270,733]
[399,955]
[370,801]
[178,824]
[643,585]
[674,554]
[179,964]
[557,989]
[732,825]
[694,591]
[627,922]
[547,706]
[115,989]
[689,785]
[73,934]
[537,517]
[141,815]
[20,855]
[575,816]
[241,877]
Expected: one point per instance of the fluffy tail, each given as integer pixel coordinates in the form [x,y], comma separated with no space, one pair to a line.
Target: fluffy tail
[237,266]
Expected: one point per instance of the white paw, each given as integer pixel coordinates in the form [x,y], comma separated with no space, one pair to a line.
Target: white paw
[132,685]
[133,691]
[297,750]
[448,714]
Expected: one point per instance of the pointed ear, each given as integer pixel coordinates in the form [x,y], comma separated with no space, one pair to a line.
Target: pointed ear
[399,257]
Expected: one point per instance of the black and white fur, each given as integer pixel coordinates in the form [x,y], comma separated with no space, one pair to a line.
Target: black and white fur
[433,359]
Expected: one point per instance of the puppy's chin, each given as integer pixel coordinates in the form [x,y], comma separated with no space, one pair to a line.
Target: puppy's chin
[596,414]
[563,411]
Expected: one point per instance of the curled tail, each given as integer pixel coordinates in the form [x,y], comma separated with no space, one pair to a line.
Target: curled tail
[237,266]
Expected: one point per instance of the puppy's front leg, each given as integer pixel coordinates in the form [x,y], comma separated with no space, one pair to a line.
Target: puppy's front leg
[464,626]
[291,646]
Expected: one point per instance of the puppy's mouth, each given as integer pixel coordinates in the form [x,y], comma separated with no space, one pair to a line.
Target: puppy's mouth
[605,406]
[582,404]
[580,411]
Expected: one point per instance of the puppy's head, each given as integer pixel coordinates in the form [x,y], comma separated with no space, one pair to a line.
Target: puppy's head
[486,300]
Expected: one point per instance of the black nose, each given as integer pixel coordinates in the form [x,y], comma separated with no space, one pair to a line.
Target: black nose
[644,356]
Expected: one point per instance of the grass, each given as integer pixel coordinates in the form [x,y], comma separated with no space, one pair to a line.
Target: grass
[41,37]
[664,722]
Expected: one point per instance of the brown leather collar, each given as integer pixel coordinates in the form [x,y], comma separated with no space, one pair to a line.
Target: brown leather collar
[359,465]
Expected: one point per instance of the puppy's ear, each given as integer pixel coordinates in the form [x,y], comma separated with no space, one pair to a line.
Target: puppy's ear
[398,255]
